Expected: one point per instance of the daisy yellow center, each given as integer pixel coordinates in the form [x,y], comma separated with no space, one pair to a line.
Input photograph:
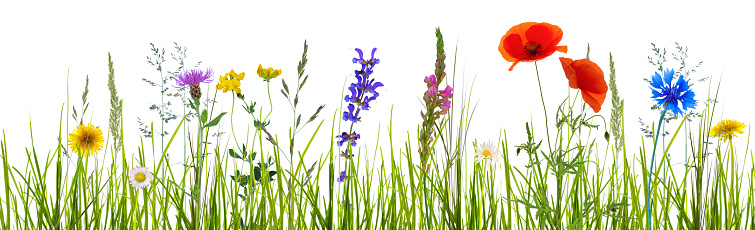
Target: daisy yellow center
[486,153]
[140,177]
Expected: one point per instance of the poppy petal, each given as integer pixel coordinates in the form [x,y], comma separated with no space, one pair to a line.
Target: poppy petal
[569,71]
[546,34]
[512,65]
[590,76]
[561,49]
[521,29]
[530,41]
[595,100]
[512,46]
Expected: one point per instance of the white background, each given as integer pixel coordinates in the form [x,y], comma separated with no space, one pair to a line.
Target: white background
[41,41]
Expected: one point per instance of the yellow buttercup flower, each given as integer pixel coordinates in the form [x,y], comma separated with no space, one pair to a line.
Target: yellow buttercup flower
[268,73]
[727,129]
[86,140]
[231,82]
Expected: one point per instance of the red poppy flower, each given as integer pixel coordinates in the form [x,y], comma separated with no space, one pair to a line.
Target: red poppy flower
[530,41]
[586,76]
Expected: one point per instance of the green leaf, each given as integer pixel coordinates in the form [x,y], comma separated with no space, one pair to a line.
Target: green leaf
[203,118]
[215,121]
[234,154]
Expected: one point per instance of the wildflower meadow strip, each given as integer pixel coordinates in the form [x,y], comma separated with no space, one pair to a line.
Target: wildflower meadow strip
[89,182]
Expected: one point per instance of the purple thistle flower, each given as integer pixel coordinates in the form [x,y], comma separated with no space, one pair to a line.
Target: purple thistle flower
[193,77]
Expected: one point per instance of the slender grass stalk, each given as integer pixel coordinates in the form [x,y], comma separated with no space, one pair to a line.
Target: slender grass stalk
[650,172]
[545,111]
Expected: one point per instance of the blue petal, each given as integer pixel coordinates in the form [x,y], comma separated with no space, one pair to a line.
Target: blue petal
[674,108]
[375,61]
[354,60]
[360,53]
[688,100]
[682,84]
[656,81]
[668,75]
[656,94]
[372,56]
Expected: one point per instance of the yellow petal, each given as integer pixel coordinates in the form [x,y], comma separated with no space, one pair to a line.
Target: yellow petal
[240,76]
[259,70]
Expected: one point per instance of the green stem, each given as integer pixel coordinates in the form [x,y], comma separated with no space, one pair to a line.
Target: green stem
[650,172]
[545,111]
[427,206]
[270,100]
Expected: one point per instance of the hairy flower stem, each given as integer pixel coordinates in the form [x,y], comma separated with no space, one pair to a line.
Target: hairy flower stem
[545,111]
[650,172]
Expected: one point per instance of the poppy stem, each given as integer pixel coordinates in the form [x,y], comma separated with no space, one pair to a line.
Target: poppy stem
[650,173]
[545,111]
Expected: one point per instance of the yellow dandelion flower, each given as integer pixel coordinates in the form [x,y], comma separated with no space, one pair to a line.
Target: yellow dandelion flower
[268,73]
[727,129]
[86,140]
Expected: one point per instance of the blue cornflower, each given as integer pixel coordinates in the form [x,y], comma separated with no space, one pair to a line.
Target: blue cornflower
[669,96]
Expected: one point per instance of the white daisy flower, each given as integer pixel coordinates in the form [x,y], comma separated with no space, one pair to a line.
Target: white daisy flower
[139,177]
[487,152]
